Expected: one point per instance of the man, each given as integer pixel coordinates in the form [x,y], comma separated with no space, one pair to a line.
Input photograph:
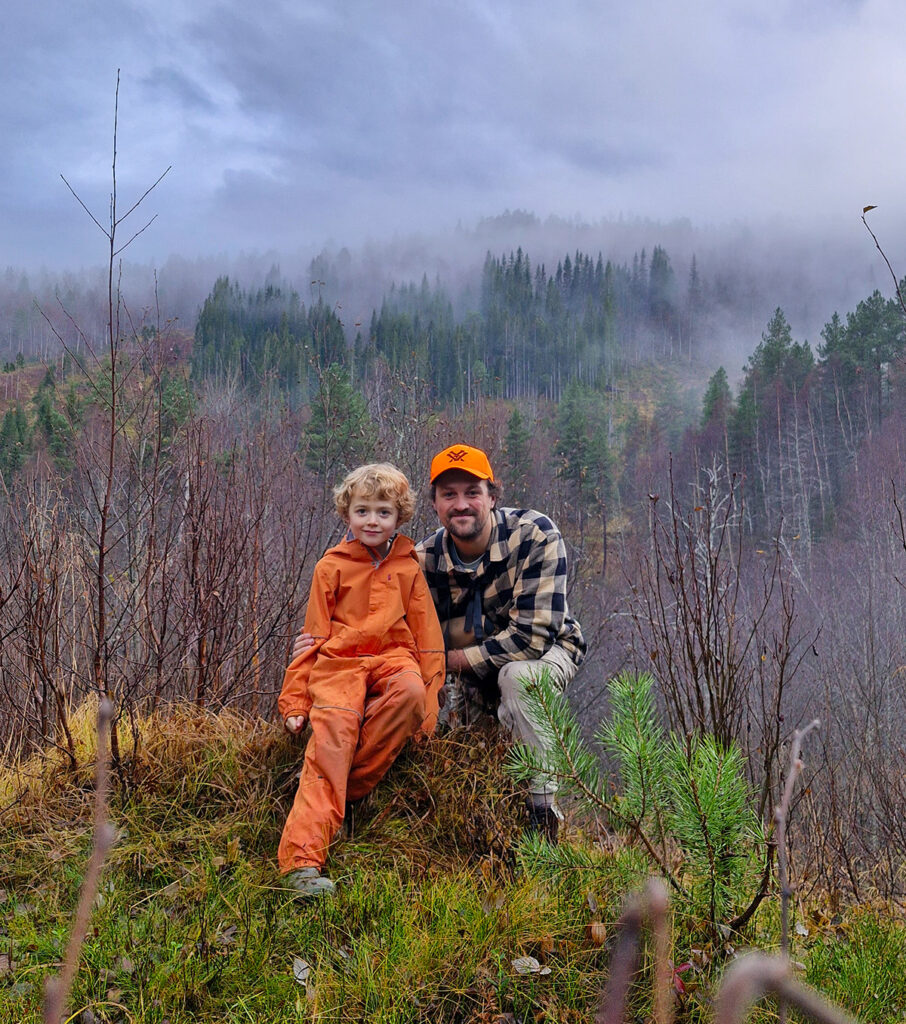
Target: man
[498,580]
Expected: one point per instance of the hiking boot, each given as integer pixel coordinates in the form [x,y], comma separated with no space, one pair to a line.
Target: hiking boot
[544,821]
[308,882]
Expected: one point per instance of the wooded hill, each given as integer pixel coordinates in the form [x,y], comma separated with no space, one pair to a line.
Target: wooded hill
[166,498]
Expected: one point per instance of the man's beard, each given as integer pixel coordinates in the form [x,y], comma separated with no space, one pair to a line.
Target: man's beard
[465,530]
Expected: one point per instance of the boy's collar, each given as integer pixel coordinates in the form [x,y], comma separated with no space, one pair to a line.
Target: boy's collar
[349,538]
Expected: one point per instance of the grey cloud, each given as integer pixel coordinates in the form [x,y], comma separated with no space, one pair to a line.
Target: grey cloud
[172,81]
[345,118]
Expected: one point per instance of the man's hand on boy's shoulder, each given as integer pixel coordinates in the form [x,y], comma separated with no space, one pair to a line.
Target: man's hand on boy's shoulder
[302,642]
[295,723]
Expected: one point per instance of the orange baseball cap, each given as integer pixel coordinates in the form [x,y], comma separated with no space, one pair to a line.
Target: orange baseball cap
[464,457]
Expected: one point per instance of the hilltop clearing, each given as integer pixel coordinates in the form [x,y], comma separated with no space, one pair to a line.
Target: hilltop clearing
[441,913]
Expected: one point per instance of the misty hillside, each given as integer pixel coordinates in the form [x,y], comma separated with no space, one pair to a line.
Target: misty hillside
[735,536]
[750,272]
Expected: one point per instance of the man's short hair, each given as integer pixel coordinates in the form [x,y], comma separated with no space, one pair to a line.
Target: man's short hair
[376,480]
[495,489]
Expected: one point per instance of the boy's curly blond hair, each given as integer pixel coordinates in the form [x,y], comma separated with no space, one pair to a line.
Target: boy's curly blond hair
[376,480]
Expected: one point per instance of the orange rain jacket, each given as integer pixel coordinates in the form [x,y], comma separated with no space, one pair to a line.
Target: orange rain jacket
[369,682]
[362,608]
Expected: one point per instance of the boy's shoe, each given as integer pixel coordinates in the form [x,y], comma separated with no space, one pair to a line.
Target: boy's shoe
[308,882]
[544,821]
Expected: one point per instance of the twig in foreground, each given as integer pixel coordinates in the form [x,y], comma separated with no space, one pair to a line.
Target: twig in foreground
[56,993]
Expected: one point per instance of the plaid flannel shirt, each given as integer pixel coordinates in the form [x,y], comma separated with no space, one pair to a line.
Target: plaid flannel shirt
[521,584]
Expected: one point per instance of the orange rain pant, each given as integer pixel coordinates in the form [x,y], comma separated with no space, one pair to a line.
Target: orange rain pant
[363,711]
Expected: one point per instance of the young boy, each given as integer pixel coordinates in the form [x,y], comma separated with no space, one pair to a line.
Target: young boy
[370,680]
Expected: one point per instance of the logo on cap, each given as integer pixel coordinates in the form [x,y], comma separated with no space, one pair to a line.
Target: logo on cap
[458,455]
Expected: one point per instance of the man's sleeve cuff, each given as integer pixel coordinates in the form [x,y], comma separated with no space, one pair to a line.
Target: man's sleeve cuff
[477,658]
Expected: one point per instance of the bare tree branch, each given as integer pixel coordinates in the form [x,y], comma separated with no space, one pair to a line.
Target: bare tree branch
[896,283]
[757,974]
[57,988]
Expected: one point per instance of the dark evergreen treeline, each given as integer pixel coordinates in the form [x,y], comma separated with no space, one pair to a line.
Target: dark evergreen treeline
[532,333]
[592,343]
[265,335]
[800,418]
[571,335]
[535,331]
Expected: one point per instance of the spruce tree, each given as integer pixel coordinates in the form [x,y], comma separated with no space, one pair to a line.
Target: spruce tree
[517,458]
[340,433]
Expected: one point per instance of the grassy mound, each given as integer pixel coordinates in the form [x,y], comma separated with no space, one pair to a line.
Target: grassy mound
[433,902]
[439,899]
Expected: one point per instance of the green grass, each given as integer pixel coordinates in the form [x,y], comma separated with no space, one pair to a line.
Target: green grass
[436,897]
[862,965]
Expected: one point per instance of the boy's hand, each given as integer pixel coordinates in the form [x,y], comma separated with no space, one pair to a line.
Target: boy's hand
[296,723]
[302,643]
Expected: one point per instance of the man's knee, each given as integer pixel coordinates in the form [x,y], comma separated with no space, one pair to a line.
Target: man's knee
[512,677]
[558,667]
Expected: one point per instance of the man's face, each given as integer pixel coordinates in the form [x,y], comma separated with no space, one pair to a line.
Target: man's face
[463,504]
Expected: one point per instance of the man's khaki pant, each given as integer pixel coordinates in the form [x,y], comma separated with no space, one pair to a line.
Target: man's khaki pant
[464,701]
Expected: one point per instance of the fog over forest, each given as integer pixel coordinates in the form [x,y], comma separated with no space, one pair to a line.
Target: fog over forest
[755,269]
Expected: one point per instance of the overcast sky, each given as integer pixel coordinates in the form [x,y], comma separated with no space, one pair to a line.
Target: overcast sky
[293,124]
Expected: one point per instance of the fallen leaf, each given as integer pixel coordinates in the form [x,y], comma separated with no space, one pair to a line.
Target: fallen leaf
[801,929]
[596,933]
[227,935]
[301,970]
[5,963]
[492,901]
[529,965]
[592,902]
[701,958]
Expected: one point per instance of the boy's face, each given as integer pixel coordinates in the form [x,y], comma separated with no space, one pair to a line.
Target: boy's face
[372,521]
